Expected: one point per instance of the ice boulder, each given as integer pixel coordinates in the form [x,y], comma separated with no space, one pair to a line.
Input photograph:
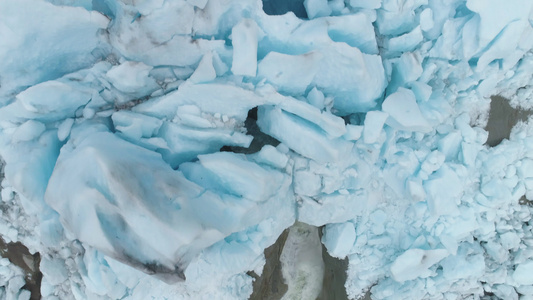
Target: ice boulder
[245,36]
[129,204]
[415,263]
[522,273]
[339,238]
[404,113]
[27,60]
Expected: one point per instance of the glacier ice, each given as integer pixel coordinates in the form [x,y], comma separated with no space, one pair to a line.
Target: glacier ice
[129,131]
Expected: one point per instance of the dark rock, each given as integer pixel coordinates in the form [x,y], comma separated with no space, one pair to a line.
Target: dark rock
[270,286]
[20,256]
[502,119]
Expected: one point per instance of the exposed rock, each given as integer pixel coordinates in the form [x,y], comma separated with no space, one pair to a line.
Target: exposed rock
[502,119]
[19,255]
[270,286]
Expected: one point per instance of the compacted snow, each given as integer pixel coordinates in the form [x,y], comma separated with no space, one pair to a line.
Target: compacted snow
[113,114]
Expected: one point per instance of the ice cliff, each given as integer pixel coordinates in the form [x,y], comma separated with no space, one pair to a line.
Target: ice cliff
[113,114]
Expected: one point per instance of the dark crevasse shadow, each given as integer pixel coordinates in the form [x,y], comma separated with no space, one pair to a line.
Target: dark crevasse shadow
[260,139]
[502,119]
[281,7]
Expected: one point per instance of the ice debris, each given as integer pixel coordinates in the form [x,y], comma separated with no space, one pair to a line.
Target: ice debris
[113,115]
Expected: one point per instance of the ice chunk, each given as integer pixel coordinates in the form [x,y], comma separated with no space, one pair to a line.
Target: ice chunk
[307,183]
[347,74]
[331,124]
[450,144]
[333,208]
[467,263]
[414,263]
[444,190]
[131,197]
[317,8]
[184,143]
[27,60]
[211,98]
[525,169]
[316,98]
[205,71]
[133,78]
[54,270]
[407,42]
[505,43]
[245,36]
[271,156]
[28,168]
[364,38]
[194,119]
[522,273]
[132,28]
[404,112]
[48,101]
[409,67]
[426,19]
[136,126]
[290,73]
[305,139]
[28,131]
[339,239]
[246,179]
[432,163]
[396,18]
[374,122]
[353,132]
[104,202]
[14,286]
[492,20]
[416,190]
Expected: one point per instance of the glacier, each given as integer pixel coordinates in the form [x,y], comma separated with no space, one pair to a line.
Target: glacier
[155,149]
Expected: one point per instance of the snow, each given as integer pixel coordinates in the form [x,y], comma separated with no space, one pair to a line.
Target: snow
[120,122]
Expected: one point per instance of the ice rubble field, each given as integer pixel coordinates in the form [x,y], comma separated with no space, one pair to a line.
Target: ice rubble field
[113,114]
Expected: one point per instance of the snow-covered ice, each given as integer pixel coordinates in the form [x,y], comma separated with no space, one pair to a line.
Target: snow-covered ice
[128,128]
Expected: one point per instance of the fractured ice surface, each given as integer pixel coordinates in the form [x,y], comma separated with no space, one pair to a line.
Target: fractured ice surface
[113,115]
